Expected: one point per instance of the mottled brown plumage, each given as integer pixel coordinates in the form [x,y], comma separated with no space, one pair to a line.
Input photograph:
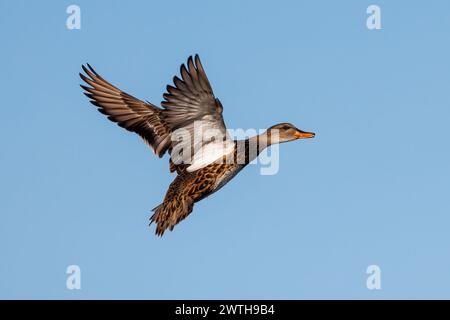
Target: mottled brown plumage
[190,187]
[189,101]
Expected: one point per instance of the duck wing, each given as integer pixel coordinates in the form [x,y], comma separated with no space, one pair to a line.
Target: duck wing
[127,111]
[190,125]
[194,115]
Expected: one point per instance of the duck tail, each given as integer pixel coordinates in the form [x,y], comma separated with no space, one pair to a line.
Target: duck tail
[170,213]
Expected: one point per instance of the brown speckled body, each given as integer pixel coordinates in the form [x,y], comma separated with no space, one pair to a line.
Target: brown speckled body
[191,187]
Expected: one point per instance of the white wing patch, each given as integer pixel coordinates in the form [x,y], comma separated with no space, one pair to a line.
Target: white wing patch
[200,144]
[210,153]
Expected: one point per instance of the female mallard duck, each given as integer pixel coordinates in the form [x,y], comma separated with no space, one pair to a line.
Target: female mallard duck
[189,102]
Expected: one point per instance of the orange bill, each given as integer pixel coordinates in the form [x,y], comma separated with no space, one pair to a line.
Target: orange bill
[304,135]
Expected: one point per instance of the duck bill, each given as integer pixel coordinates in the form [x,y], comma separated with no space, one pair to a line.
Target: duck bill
[304,135]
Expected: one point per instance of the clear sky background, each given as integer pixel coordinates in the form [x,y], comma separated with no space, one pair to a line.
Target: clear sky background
[372,188]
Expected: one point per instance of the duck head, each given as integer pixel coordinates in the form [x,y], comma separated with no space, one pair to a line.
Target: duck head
[284,132]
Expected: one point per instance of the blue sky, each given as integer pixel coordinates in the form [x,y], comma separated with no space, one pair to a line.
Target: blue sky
[371,188]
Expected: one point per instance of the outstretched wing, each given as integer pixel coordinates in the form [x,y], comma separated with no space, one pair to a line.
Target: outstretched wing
[191,109]
[129,112]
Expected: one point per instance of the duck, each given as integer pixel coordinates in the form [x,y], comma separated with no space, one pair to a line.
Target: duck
[189,110]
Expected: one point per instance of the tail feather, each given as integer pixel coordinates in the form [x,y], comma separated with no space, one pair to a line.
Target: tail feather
[170,213]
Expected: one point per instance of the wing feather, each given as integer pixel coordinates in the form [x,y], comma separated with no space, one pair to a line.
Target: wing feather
[127,111]
[189,104]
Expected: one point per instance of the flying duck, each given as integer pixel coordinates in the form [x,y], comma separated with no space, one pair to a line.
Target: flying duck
[190,127]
